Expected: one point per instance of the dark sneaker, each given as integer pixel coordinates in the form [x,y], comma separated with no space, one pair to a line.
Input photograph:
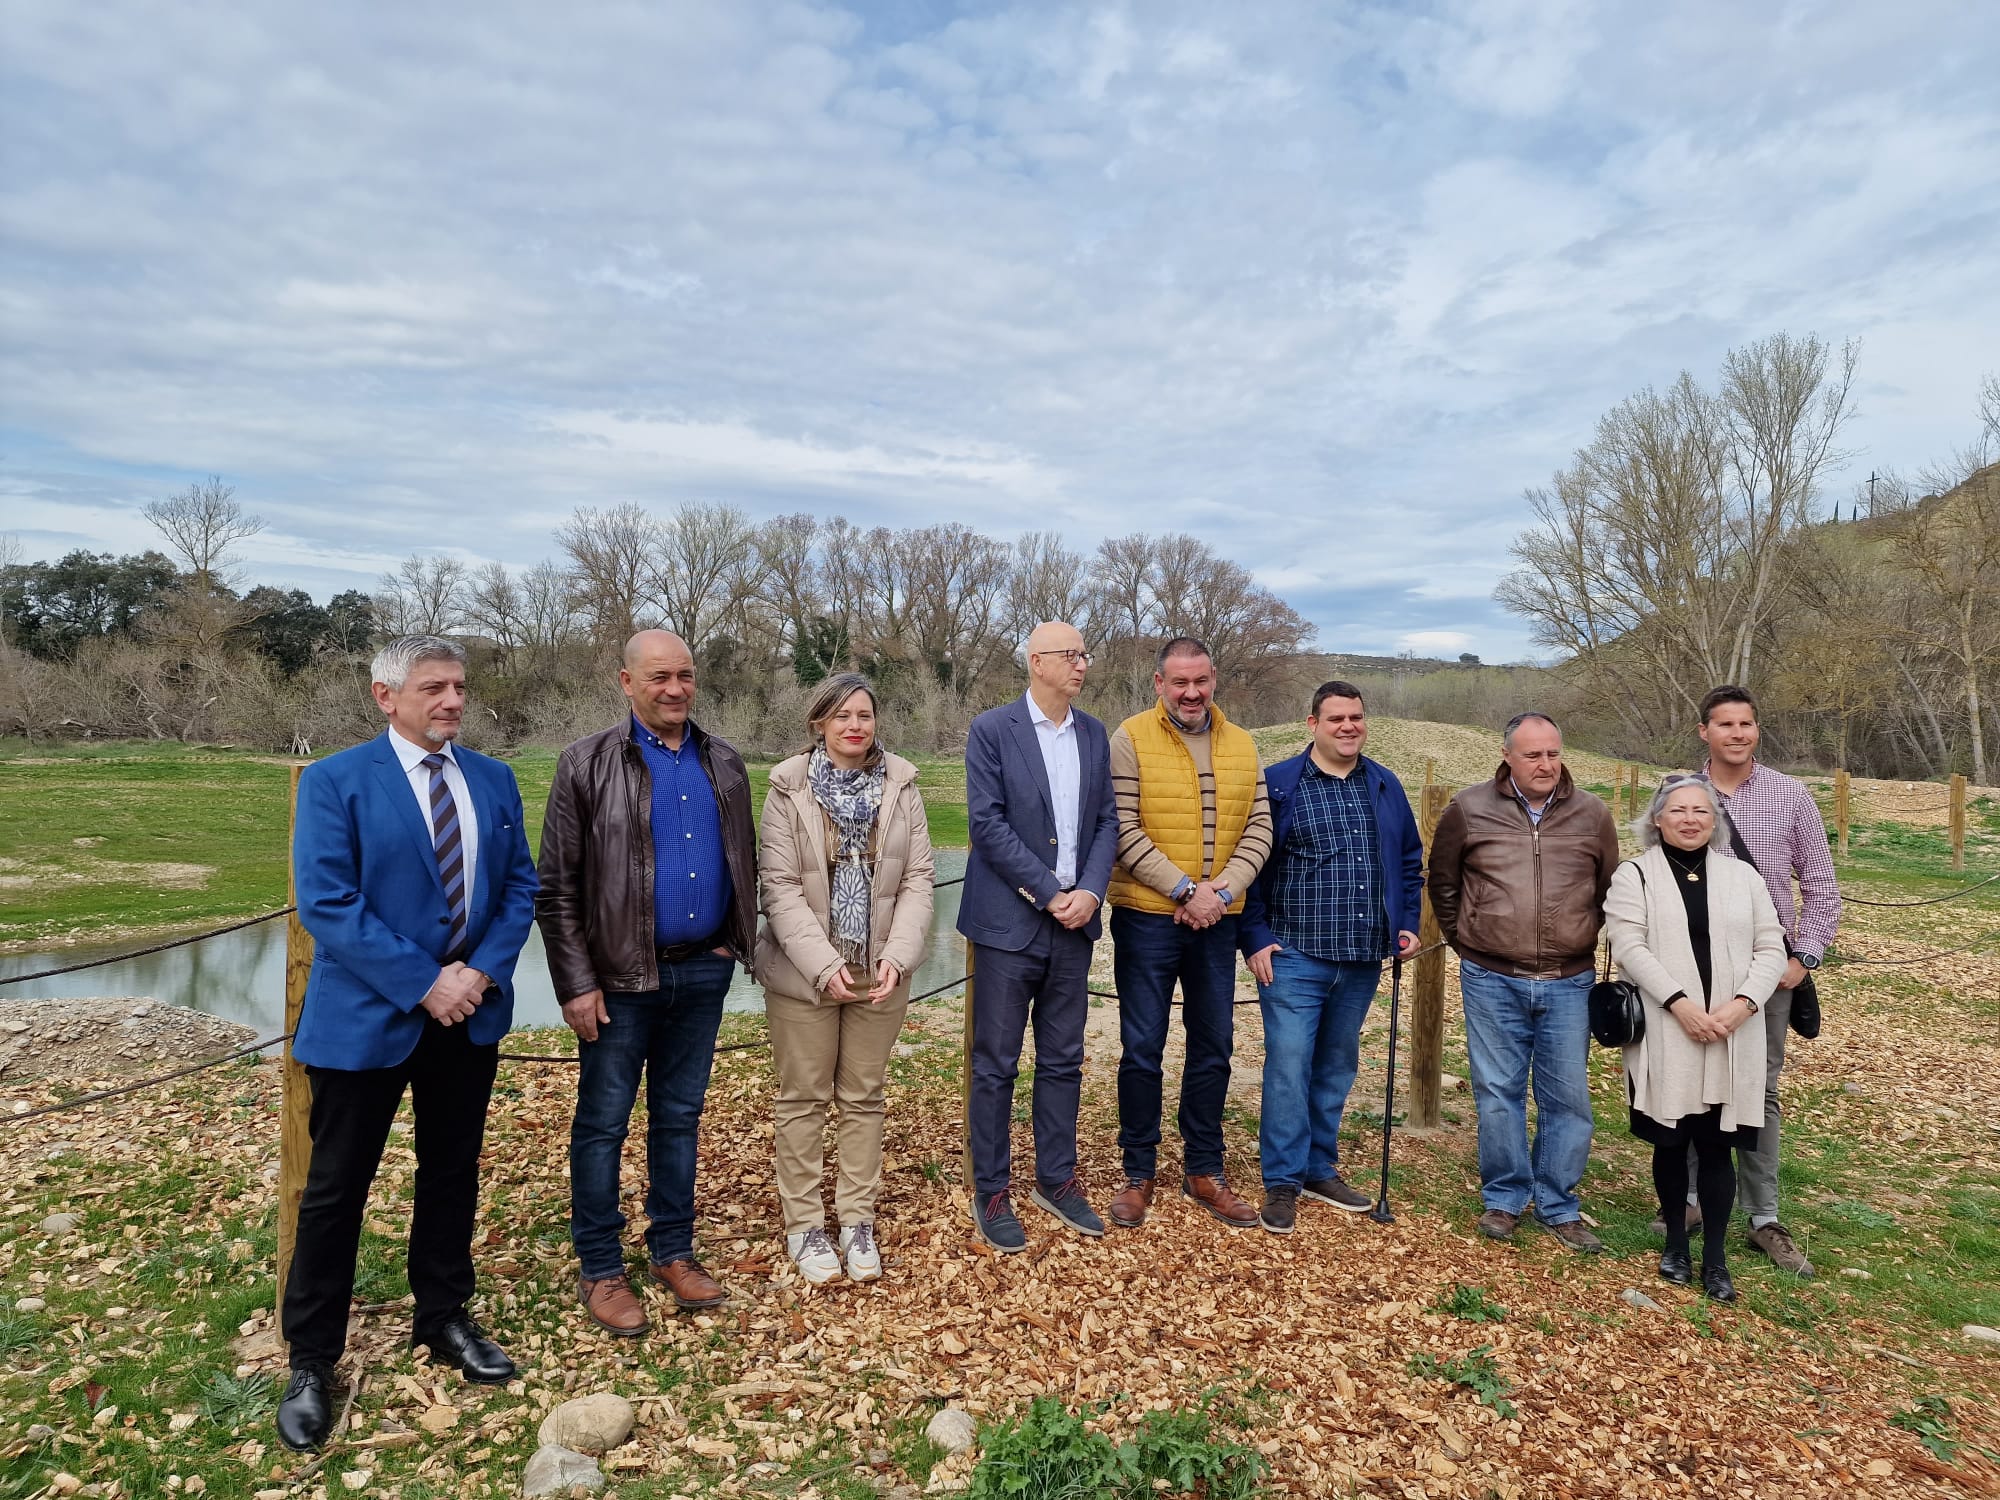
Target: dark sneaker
[1281,1207]
[1337,1192]
[1776,1241]
[1498,1224]
[1573,1234]
[1068,1204]
[994,1222]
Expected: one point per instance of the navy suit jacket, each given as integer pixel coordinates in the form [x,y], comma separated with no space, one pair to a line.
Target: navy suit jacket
[368,891]
[1397,842]
[1010,875]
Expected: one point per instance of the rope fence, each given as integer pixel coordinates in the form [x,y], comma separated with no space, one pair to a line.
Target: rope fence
[179,942]
[1928,901]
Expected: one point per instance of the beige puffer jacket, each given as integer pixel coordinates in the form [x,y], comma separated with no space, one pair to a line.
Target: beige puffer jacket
[795,952]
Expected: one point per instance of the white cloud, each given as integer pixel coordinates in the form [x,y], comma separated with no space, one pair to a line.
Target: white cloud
[1325,289]
[1434,642]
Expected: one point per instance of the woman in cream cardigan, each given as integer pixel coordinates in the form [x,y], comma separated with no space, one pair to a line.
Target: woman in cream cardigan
[1696,931]
[844,870]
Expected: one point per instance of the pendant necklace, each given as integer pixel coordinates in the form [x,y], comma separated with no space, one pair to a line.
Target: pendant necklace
[1693,875]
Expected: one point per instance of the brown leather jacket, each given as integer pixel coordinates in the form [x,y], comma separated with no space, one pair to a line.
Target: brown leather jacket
[595,906]
[1516,897]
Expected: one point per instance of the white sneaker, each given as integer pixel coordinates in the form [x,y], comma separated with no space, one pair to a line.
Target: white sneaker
[814,1254]
[857,1247]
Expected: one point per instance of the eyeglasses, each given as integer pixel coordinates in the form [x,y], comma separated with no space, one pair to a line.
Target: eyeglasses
[1080,658]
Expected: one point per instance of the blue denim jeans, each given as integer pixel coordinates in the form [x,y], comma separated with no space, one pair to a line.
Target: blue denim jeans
[669,1034]
[1313,1011]
[1519,1031]
[1151,951]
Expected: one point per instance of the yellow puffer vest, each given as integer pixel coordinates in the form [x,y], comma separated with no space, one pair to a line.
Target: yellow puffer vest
[1170,799]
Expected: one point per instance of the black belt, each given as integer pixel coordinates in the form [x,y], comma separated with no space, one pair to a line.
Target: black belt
[680,953]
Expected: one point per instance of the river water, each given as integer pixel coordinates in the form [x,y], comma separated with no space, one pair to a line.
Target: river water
[240,976]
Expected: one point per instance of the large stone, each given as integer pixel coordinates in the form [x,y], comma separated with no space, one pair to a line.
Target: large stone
[554,1470]
[952,1430]
[1981,1334]
[1633,1297]
[62,1224]
[590,1424]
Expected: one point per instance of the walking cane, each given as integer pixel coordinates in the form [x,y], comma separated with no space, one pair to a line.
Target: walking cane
[1380,1214]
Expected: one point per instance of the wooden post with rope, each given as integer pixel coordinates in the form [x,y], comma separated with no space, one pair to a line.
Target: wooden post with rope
[1958,822]
[294,1133]
[1427,990]
[1842,792]
[965,1068]
[1430,770]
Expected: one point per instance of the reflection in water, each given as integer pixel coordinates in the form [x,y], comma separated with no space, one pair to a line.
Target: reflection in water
[240,976]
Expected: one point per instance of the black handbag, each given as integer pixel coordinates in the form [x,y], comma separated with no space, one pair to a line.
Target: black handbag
[1805,1008]
[1617,1013]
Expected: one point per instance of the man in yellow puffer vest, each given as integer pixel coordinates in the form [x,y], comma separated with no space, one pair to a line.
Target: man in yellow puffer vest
[1194,828]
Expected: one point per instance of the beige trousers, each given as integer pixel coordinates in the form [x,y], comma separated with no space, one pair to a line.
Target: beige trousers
[830,1053]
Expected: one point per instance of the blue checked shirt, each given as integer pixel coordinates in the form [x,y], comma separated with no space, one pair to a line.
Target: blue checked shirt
[1328,901]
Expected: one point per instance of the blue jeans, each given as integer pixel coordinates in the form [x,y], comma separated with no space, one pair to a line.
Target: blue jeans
[1151,952]
[669,1034]
[1313,1010]
[1516,1029]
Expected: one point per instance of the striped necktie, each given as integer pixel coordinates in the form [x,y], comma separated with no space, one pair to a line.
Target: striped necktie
[450,846]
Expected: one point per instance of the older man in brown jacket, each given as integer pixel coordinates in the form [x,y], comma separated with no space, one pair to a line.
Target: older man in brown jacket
[648,902]
[1519,868]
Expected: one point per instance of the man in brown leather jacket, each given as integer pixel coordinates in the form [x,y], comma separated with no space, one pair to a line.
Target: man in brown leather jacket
[647,903]
[1519,868]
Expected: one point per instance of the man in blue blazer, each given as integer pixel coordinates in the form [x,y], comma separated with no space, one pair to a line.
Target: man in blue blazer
[1044,829]
[1342,890]
[413,876]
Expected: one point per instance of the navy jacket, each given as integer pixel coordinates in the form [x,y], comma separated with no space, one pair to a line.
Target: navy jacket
[1400,848]
[1010,875]
[368,892]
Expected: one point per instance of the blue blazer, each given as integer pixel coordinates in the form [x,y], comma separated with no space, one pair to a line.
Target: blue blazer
[368,891]
[1400,847]
[1010,875]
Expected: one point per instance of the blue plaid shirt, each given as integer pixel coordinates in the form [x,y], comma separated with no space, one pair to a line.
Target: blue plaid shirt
[1328,900]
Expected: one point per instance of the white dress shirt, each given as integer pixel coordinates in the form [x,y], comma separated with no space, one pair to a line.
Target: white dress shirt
[1064,764]
[412,756]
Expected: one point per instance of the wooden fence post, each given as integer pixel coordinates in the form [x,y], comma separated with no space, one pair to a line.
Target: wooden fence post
[294,1135]
[1426,1111]
[965,1067]
[1958,822]
[1430,770]
[1841,793]
[1632,780]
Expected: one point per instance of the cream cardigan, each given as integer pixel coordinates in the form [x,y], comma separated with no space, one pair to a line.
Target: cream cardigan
[1669,1074]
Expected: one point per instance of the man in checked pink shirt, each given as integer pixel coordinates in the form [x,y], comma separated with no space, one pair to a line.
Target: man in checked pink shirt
[1781,827]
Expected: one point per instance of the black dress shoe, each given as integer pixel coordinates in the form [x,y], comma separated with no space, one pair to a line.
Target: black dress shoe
[1716,1282]
[305,1413]
[1675,1266]
[460,1342]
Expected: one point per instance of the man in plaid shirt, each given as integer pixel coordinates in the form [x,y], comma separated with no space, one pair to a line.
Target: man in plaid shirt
[1342,890]
[1781,827]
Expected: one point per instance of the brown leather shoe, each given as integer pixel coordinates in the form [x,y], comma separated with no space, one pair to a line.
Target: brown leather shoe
[613,1306]
[1498,1224]
[1128,1209]
[1213,1194]
[692,1286]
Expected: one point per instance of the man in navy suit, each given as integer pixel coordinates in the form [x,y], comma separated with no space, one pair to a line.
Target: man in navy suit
[1044,836]
[413,876]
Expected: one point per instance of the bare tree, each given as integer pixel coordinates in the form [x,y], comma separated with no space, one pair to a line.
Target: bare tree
[703,566]
[199,526]
[612,558]
[424,596]
[1951,546]
[1050,582]
[957,623]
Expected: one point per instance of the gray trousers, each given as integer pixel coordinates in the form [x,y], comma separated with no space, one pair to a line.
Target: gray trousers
[1757,1171]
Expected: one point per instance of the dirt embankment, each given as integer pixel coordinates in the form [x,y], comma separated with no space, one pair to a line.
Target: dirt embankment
[107,1037]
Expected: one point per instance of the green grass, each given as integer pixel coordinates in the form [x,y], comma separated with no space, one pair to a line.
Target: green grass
[155,836]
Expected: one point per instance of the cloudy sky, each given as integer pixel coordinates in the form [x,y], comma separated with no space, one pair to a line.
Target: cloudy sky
[1324,284]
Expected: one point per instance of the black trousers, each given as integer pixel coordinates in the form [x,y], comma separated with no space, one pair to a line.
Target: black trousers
[450,1081]
[1046,983]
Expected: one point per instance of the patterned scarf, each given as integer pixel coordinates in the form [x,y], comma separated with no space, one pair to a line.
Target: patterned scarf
[853,800]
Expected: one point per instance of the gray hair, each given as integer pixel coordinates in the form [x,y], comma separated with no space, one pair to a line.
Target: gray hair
[1507,734]
[393,662]
[1647,829]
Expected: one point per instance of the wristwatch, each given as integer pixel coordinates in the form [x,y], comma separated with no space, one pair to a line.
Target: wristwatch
[1806,961]
[1754,1007]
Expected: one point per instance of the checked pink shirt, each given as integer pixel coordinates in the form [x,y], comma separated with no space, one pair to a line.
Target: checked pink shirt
[1785,834]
